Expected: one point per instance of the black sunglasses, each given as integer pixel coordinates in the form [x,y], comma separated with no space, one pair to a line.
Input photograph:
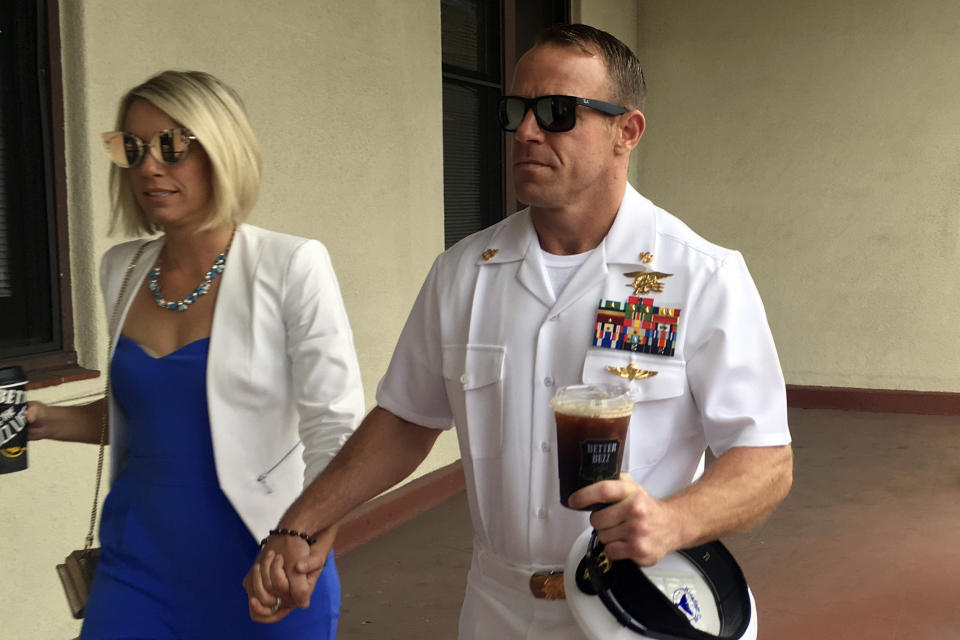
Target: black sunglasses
[553,113]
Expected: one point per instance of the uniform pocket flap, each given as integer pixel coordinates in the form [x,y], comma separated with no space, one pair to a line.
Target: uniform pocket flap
[473,366]
[649,377]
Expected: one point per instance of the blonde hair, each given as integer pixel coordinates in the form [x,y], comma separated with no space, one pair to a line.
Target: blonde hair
[214,113]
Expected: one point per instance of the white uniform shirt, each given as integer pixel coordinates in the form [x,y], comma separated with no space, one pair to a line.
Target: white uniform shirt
[487,344]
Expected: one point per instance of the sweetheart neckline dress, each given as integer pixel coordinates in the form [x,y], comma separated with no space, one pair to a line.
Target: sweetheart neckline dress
[174,551]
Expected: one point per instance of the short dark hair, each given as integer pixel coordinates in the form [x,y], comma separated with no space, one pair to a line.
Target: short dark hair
[626,75]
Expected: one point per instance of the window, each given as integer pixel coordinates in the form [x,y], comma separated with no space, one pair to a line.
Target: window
[480,42]
[36,327]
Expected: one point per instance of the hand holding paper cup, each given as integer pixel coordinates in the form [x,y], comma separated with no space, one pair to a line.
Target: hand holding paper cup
[592,423]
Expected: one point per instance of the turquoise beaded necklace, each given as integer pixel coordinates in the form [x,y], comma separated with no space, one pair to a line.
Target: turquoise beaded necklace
[201,289]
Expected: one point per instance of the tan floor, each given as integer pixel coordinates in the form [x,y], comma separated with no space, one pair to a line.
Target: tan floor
[866,547]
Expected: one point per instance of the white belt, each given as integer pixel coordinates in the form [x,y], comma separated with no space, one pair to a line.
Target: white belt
[540,581]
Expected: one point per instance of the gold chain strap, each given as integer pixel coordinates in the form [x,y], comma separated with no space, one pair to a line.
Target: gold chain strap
[88,542]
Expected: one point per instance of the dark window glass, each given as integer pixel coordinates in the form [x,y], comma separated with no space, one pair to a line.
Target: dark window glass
[472,81]
[472,189]
[477,38]
[30,313]
[531,17]
[470,31]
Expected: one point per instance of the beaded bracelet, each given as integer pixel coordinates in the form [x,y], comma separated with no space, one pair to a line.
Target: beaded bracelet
[288,532]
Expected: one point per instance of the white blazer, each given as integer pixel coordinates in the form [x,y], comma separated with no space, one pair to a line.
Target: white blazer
[283,382]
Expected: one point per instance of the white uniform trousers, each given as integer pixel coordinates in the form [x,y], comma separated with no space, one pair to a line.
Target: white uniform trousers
[500,606]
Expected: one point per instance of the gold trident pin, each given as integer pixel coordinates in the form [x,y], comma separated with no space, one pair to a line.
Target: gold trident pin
[631,372]
[647,281]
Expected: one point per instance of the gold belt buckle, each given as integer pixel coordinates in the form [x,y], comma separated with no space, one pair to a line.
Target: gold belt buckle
[547,585]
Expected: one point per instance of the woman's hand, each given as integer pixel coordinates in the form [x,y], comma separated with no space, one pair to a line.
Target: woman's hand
[285,574]
[70,424]
[38,428]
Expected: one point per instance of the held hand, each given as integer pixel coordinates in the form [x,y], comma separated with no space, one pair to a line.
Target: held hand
[302,574]
[267,584]
[634,525]
[285,572]
[266,606]
[313,564]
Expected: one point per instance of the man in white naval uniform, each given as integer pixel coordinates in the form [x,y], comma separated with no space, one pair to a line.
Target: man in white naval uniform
[541,300]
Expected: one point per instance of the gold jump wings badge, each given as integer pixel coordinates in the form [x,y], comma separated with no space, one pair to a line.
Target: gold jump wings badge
[631,372]
[647,281]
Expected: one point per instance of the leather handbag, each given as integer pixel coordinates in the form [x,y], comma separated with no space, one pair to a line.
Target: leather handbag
[76,572]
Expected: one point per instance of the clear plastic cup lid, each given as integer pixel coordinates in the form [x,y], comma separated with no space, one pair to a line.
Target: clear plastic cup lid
[593,400]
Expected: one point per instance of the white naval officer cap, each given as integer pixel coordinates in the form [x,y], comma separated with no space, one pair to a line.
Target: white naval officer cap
[692,594]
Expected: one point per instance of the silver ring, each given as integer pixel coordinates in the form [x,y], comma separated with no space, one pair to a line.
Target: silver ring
[276,605]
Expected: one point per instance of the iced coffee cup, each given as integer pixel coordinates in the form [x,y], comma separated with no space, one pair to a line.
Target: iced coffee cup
[592,423]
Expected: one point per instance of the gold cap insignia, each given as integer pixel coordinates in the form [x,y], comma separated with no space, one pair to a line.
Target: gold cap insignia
[631,372]
[646,257]
[603,563]
[647,281]
[489,253]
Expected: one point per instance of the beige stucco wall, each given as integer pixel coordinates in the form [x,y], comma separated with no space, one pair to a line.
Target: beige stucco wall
[618,17]
[346,100]
[821,139]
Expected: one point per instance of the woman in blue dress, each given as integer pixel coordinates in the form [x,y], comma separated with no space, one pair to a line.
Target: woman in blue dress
[233,378]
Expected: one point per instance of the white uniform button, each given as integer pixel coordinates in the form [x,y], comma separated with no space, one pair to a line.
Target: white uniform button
[545,446]
[542,513]
[548,381]
[464,379]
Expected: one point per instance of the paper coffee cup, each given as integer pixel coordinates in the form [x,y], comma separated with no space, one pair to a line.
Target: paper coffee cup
[13,420]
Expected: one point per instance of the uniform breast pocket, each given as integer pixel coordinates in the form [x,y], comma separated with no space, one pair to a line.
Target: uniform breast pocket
[654,382]
[473,375]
